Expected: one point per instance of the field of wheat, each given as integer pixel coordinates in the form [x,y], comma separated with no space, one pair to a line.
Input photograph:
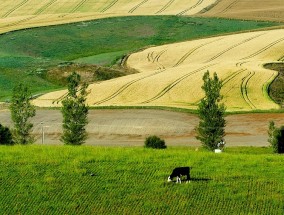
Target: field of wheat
[253,9]
[171,75]
[21,14]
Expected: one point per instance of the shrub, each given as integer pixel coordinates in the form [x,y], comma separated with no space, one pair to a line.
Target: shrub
[5,136]
[155,143]
[276,138]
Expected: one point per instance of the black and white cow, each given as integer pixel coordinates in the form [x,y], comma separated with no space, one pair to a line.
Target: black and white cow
[179,172]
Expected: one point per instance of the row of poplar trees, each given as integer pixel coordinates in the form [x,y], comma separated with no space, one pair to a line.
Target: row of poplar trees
[74,111]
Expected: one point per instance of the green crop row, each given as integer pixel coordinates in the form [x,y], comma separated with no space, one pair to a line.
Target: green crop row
[106,180]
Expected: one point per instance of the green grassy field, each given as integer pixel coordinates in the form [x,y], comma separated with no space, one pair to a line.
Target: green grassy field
[57,180]
[27,55]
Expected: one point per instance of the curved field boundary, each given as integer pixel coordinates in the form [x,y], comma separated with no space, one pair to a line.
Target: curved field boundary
[44,7]
[192,7]
[174,83]
[124,87]
[264,49]
[77,7]
[244,90]
[184,57]
[137,6]
[232,47]
[109,6]
[165,7]
[15,8]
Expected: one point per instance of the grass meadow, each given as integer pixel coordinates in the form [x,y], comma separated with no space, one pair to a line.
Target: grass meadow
[27,55]
[132,180]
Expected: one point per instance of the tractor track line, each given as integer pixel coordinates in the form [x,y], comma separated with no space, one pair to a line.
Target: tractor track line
[244,90]
[174,83]
[109,6]
[184,57]
[228,7]
[137,6]
[165,7]
[44,7]
[124,87]
[15,8]
[264,49]
[232,47]
[192,7]
[77,7]
[229,78]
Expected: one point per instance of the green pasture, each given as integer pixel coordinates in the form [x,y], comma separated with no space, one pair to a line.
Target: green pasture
[26,55]
[57,180]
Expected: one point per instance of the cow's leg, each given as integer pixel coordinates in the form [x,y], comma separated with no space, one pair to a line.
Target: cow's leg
[178,179]
[188,178]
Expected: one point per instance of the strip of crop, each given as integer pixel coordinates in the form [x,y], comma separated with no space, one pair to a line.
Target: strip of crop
[232,47]
[184,57]
[137,6]
[244,90]
[192,7]
[165,7]
[60,98]
[19,21]
[227,8]
[174,83]
[44,7]
[264,48]
[15,8]
[124,87]
[109,6]
[77,7]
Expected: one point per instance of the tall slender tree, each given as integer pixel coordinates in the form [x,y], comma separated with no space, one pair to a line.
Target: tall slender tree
[211,127]
[21,111]
[75,112]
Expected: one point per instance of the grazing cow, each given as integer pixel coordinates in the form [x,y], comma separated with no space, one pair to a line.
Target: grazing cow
[179,172]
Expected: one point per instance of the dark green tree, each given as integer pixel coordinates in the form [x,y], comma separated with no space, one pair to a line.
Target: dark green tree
[5,136]
[75,112]
[21,111]
[276,137]
[211,128]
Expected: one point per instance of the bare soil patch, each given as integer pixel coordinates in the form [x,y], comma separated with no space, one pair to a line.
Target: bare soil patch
[131,127]
[253,10]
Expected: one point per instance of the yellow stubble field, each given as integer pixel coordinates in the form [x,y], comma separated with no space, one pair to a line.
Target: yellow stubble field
[20,14]
[171,75]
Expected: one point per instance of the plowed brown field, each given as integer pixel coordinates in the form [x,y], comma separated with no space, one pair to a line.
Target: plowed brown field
[272,10]
[131,127]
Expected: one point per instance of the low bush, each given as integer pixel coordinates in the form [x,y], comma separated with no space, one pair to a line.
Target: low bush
[276,138]
[5,136]
[155,142]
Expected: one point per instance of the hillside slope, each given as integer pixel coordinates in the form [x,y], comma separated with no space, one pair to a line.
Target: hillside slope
[171,75]
[272,10]
[21,14]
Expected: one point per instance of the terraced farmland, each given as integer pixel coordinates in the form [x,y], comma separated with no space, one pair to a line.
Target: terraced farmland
[171,75]
[272,10]
[57,180]
[21,14]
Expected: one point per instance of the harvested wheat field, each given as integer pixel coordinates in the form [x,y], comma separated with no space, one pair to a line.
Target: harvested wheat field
[171,75]
[272,10]
[21,14]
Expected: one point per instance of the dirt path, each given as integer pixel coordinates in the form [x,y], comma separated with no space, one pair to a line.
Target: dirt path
[130,127]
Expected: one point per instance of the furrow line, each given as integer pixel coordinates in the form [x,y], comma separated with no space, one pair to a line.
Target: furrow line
[244,90]
[184,57]
[124,87]
[173,84]
[44,7]
[264,49]
[227,8]
[78,6]
[137,6]
[232,47]
[165,7]
[109,6]
[192,7]
[232,76]
[15,8]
